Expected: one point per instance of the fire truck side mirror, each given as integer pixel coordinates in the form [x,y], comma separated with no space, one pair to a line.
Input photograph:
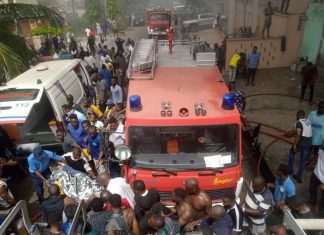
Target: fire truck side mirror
[123,153]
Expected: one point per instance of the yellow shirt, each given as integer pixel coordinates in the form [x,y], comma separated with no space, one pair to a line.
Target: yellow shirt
[96,110]
[234,60]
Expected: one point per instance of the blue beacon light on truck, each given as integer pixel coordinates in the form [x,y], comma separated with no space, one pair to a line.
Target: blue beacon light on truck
[135,103]
[228,101]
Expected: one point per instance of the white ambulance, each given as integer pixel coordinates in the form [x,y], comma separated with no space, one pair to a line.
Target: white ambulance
[31,104]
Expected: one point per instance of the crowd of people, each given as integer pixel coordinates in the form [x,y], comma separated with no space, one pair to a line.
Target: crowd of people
[122,208]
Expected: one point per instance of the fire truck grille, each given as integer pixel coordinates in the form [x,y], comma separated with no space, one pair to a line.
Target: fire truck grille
[213,194]
[160,29]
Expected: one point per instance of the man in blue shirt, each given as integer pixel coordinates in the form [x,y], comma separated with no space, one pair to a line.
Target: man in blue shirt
[96,147]
[38,166]
[219,222]
[106,74]
[317,119]
[76,131]
[68,110]
[284,186]
[253,59]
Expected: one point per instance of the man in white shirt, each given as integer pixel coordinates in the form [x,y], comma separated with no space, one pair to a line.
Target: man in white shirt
[117,92]
[117,185]
[116,132]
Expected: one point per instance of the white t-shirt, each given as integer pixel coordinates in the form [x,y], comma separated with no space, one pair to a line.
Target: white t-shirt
[118,137]
[319,169]
[119,186]
[87,30]
[98,124]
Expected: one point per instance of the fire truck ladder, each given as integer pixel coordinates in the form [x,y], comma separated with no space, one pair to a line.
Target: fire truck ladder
[143,60]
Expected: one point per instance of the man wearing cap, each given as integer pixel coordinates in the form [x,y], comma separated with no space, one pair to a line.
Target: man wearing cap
[38,166]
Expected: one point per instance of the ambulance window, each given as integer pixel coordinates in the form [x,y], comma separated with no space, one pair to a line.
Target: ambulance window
[18,94]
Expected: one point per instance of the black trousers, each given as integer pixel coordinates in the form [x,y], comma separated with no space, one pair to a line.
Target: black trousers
[314,183]
[311,91]
[251,74]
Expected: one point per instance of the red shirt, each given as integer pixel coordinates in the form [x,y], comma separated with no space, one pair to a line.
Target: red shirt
[91,34]
[125,205]
[170,35]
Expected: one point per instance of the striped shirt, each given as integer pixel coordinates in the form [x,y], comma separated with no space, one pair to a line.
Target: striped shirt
[168,229]
[259,201]
[236,214]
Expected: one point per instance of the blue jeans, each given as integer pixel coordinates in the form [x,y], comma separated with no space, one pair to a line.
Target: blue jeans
[304,152]
[38,184]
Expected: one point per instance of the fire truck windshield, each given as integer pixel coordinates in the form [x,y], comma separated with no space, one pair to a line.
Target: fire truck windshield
[184,147]
[160,17]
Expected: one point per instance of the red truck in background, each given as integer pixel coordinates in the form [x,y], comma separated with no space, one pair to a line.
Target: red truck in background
[158,21]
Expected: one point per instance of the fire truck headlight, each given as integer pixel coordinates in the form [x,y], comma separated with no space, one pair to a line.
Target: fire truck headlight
[228,101]
[151,30]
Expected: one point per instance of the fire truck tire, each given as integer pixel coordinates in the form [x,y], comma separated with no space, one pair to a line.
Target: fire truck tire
[193,28]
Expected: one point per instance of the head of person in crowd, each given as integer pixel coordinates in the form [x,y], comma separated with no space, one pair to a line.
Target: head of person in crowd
[179,195]
[114,81]
[217,212]
[115,202]
[54,220]
[283,172]
[156,221]
[320,108]
[86,103]
[38,153]
[99,77]
[67,109]
[254,49]
[258,184]
[76,151]
[85,125]
[103,179]
[228,198]
[54,190]
[92,116]
[300,114]
[97,204]
[192,186]
[113,123]
[113,50]
[110,103]
[104,195]
[60,135]
[87,54]
[274,223]
[296,204]
[70,100]
[74,120]
[93,131]
[138,187]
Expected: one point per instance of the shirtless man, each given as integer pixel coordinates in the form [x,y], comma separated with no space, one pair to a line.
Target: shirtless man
[198,199]
[184,210]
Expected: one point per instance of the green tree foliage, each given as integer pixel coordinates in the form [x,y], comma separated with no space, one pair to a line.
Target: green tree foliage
[94,10]
[15,53]
[116,8]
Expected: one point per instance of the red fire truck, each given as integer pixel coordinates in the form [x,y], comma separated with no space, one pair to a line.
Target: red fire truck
[159,22]
[180,121]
